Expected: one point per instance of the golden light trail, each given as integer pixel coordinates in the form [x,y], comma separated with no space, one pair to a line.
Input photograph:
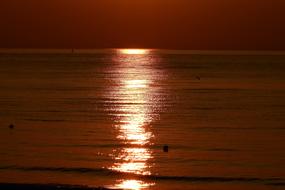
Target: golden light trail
[133,185]
[134,51]
[132,127]
[133,106]
[136,83]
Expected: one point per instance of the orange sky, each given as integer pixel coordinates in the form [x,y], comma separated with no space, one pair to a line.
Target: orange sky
[174,24]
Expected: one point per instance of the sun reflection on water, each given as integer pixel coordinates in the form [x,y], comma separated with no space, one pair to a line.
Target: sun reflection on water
[134,108]
[133,184]
[133,51]
[134,161]
[136,84]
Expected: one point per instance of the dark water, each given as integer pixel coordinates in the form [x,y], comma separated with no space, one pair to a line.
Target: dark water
[102,119]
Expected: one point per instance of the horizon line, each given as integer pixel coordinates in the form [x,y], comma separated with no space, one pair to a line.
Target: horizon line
[112,50]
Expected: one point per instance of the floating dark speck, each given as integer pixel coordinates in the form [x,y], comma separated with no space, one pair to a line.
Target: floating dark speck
[11,126]
[165,148]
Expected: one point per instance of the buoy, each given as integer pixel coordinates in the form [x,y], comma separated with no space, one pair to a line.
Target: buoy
[11,126]
[165,148]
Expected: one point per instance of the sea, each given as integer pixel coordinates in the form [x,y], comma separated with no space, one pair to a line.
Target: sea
[143,119]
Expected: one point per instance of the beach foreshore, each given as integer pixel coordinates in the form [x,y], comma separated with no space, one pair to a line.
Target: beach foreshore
[22,186]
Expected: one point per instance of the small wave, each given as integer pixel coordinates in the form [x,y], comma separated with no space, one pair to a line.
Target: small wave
[108,172]
[15,186]
[56,169]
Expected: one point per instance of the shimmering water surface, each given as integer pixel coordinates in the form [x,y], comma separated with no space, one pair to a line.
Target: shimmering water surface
[102,119]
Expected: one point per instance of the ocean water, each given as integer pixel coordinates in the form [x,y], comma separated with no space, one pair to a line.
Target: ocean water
[102,119]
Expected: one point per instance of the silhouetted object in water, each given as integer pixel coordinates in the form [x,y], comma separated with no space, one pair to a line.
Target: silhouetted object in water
[165,148]
[11,126]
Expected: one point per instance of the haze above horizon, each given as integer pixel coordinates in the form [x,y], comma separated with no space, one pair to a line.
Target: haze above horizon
[162,24]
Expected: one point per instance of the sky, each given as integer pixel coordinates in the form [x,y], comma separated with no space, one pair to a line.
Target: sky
[167,24]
